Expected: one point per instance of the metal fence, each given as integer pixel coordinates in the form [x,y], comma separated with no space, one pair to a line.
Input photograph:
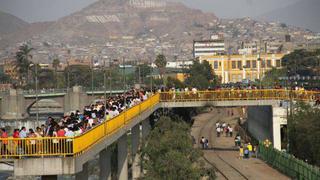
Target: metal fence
[288,164]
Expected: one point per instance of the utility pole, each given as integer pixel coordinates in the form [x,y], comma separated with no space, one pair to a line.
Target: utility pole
[110,78]
[37,107]
[124,75]
[104,80]
[92,79]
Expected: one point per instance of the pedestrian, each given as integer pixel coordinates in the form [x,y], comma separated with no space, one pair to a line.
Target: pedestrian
[4,143]
[250,149]
[202,142]
[218,131]
[230,131]
[246,153]
[240,152]
[206,143]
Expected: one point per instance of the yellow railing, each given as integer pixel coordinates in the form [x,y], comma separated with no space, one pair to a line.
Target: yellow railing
[229,95]
[57,146]
[54,146]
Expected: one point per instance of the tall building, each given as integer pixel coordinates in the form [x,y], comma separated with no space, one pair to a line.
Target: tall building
[235,68]
[208,47]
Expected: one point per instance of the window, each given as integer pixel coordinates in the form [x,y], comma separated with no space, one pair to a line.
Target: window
[248,64]
[278,63]
[254,64]
[215,65]
[268,63]
[234,65]
[239,64]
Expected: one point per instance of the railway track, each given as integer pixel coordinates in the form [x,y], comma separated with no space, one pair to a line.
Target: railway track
[205,131]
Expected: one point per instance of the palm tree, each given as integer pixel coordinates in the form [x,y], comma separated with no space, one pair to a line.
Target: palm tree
[161,63]
[23,57]
[55,65]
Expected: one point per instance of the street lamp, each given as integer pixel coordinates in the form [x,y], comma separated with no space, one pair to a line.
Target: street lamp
[104,80]
[36,84]
[92,79]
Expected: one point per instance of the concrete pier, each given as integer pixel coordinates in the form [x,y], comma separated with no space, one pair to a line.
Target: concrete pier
[123,157]
[105,164]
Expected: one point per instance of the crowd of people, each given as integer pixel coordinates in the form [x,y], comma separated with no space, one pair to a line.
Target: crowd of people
[74,124]
[224,128]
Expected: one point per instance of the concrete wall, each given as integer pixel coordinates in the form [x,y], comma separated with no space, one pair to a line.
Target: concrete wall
[260,122]
[264,122]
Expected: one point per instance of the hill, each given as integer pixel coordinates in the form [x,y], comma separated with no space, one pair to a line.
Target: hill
[10,23]
[116,18]
[304,13]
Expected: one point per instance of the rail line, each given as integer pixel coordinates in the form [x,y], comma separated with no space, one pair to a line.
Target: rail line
[224,161]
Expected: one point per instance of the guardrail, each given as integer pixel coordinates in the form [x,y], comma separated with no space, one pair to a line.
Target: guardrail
[288,164]
[67,146]
[229,95]
[54,146]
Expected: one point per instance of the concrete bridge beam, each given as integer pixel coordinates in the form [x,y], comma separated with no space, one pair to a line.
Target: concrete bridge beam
[105,164]
[123,157]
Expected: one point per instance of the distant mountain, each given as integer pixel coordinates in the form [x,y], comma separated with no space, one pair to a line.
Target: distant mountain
[304,13]
[10,23]
[117,18]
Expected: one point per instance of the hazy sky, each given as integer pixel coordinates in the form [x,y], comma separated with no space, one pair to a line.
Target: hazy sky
[47,10]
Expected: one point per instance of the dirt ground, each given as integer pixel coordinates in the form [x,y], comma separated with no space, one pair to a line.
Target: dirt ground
[223,154]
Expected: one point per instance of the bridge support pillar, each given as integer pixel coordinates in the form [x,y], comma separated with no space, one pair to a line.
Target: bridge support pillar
[145,128]
[75,99]
[12,105]
[83,175]
[135,141]
[123,158]
[105,164]
[49,177]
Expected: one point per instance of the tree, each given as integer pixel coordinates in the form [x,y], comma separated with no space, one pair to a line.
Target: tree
[169,154]
[4,78]
[143,70]
[201,75]
[161,63]
[173,82]
[55,65]
[304,132]
[271,77]
[23,57]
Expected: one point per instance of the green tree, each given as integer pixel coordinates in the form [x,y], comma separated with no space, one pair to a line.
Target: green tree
[161,62]
[55,65]
[143,70]
[23,57]
[169,153]
[304,132]
[201,75]
[4,78]
[271,77]
[173,82]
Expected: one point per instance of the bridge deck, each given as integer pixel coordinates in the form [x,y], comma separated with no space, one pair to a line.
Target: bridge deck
[78,149]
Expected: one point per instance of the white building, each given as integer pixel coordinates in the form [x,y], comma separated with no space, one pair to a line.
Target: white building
[208,48]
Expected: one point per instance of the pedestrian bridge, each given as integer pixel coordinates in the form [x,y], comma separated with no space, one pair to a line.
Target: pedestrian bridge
[54,156]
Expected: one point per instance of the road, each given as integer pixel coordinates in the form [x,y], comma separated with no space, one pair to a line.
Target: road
[222,153]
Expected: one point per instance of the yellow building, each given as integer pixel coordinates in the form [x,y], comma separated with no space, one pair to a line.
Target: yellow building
[235,68]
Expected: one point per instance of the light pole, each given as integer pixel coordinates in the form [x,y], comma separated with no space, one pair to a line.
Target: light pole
[104,80]
[124,74]
[92,79]
[36,84]
[151,78]
[110,78]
